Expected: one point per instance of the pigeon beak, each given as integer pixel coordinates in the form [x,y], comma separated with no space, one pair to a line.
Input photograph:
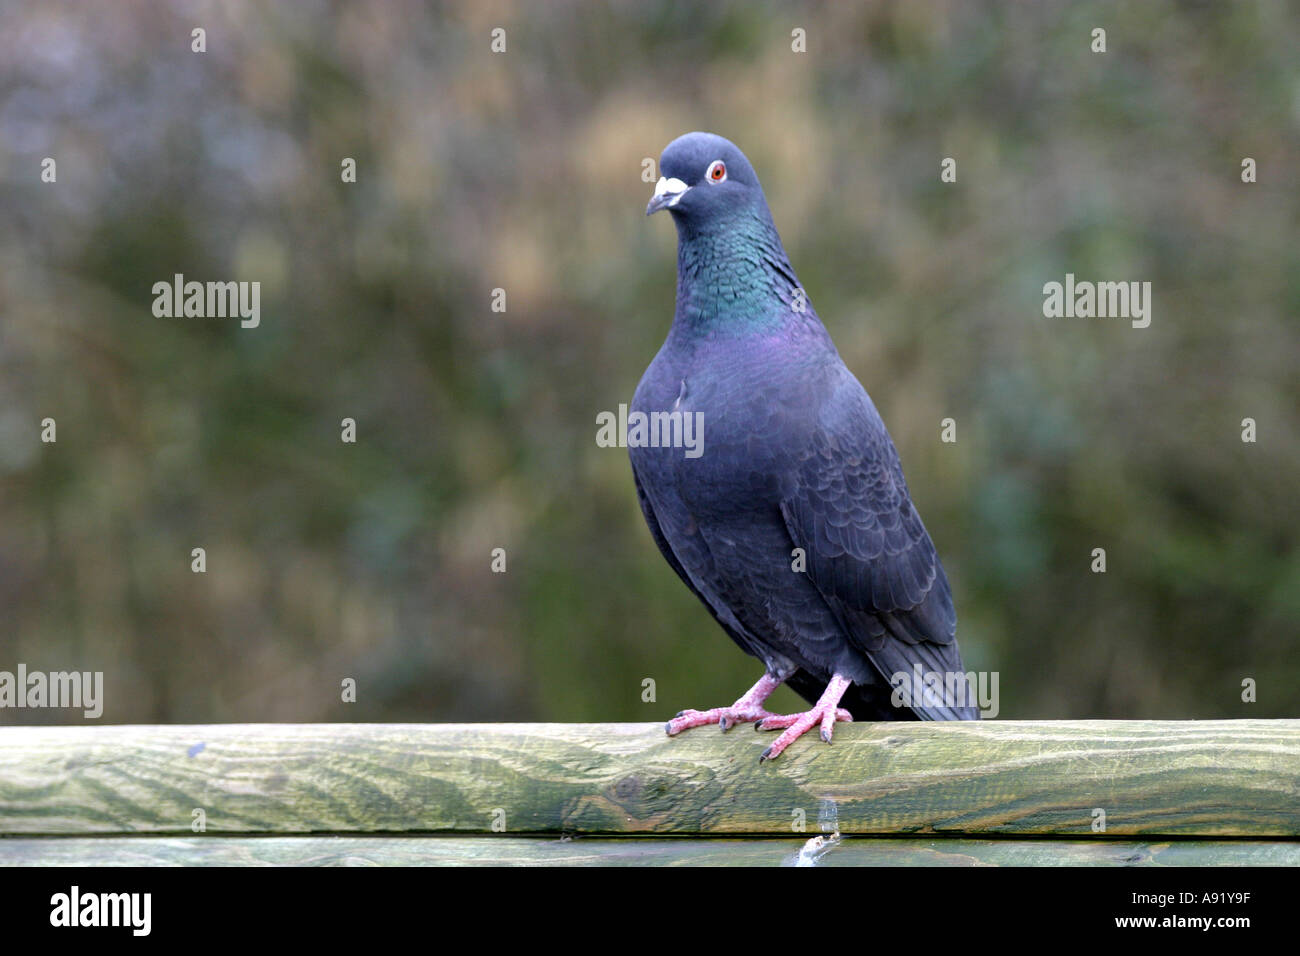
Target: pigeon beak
[668,193]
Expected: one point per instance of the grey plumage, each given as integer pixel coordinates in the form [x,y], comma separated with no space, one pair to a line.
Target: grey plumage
[795,456]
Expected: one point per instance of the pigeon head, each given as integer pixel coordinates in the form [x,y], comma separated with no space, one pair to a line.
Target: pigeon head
[731,266]
[706,179]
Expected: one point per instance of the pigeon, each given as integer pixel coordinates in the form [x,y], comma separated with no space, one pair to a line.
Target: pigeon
[786,513]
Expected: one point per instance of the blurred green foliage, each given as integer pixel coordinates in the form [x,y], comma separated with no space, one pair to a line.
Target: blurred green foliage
[522,171]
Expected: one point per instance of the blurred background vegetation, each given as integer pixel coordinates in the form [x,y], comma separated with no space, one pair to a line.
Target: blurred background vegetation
[476,429]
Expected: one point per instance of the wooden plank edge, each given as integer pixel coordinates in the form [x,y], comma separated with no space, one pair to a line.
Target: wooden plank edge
[454,850]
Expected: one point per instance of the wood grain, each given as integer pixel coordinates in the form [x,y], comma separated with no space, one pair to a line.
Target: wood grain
[1232,778]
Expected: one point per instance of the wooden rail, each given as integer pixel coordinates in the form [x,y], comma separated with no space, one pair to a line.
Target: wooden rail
[995,792]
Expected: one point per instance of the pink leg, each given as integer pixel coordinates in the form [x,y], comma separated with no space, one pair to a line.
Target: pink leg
[749,707]
[826,711]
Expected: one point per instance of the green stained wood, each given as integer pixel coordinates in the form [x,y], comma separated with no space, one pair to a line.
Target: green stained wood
[482,850]
[1229,778]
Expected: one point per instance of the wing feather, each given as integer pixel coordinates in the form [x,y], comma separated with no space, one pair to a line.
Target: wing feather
[868,553]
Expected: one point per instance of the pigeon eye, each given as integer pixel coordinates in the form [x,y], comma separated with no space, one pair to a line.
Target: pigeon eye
[717,171]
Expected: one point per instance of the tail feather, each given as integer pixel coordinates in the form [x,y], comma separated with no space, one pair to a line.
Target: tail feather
[874,701]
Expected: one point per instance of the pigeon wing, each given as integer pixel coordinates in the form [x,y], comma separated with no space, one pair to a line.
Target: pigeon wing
[847,505]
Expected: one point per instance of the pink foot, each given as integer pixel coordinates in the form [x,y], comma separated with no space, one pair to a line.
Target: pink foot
[749,707]
[825,712]
[724,717]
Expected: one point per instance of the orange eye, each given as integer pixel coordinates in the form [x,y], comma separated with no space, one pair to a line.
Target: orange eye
[717,171]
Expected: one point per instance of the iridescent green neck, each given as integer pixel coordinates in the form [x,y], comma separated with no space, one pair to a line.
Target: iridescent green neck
[733,275]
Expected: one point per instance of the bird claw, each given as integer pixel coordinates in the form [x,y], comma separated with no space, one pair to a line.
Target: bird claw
[781,721]
[796,725]
[724,717]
